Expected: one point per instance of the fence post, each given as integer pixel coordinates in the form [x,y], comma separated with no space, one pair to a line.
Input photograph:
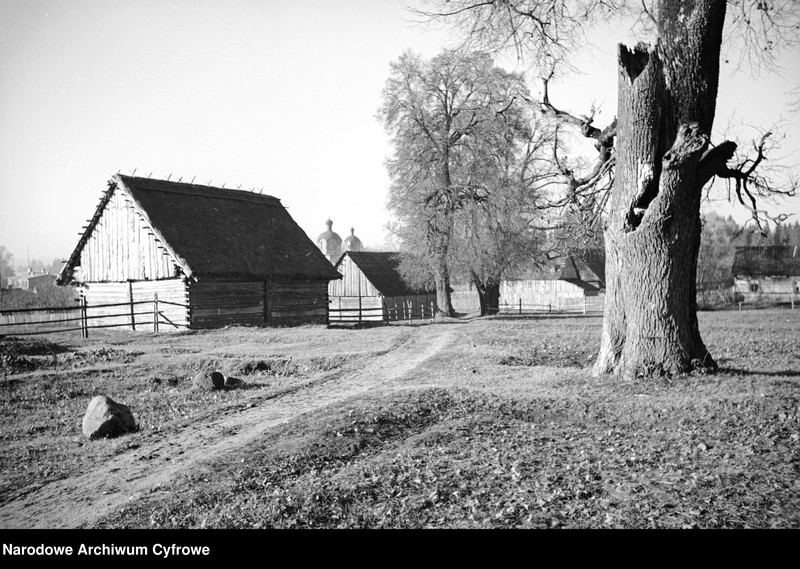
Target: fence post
[155,312]
[520,306]
[549,306]
[584,305]
[130,295]
[84,319]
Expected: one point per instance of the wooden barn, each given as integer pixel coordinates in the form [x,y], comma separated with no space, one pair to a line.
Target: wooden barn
[372,289]
[770,274]
[565,282]
[212,257]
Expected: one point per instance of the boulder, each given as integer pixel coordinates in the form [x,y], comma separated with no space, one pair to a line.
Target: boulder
[208,381]
[106,418]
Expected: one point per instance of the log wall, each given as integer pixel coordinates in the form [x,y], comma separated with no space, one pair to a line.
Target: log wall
[218,303]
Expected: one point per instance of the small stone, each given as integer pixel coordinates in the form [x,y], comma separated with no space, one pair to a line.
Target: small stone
[232,381]
[208,381]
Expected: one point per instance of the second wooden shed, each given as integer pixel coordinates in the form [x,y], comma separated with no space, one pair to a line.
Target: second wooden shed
[372,289]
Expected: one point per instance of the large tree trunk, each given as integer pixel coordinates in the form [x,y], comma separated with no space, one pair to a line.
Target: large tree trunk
[488,295]
[441,275]
[667,98]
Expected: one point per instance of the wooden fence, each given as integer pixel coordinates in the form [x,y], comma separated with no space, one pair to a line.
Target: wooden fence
[32,321]
[584,305]
[379,314]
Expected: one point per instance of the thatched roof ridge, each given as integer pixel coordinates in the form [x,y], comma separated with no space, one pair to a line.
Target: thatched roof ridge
[382,269]
[768,261]
[215,232]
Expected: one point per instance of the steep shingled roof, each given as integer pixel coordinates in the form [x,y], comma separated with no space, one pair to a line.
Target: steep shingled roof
[772,261]
[219,232]
[383,271]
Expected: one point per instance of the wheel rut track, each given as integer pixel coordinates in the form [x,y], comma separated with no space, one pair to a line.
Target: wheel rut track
[80,501]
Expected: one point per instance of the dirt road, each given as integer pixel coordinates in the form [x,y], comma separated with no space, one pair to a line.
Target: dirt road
[78,502]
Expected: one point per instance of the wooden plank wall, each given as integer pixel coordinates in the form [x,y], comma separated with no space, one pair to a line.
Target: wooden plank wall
[769,288]
[122,247]
[171,291]
[352,283]
[464,298]
[538,292]
[219,303]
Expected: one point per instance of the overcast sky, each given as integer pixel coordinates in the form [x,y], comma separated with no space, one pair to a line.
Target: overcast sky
[279,95]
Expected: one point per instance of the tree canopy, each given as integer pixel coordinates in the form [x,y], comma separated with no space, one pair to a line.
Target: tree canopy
[457,122]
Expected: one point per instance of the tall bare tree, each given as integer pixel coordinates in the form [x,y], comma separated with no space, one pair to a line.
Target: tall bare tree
[452,119]
[657,155]
[497,236]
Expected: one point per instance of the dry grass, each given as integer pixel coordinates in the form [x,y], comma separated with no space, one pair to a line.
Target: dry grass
[506,428]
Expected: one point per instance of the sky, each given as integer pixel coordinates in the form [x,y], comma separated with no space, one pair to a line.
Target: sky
[266,94]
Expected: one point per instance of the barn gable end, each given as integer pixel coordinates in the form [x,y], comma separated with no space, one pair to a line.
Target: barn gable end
[119,245]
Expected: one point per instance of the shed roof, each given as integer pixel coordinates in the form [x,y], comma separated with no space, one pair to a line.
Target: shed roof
[771,261]
[218,232]
[382,269]
[586,269]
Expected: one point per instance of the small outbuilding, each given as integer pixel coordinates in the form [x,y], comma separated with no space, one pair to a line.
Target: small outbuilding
[767,274]
[564,282]
[373,289]
[205,257]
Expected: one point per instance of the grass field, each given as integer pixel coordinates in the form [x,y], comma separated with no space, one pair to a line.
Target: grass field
[502,427]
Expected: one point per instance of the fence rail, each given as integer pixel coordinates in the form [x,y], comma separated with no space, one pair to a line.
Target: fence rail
[50,320]
[584,305]
[380,314]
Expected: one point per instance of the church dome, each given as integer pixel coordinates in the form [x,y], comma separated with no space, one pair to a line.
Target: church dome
[329,242]
[351,242]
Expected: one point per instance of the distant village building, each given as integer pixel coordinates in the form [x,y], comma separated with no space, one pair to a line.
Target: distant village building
[30,281]
[372,286]
[213,256]
[332,245]
[767,273]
